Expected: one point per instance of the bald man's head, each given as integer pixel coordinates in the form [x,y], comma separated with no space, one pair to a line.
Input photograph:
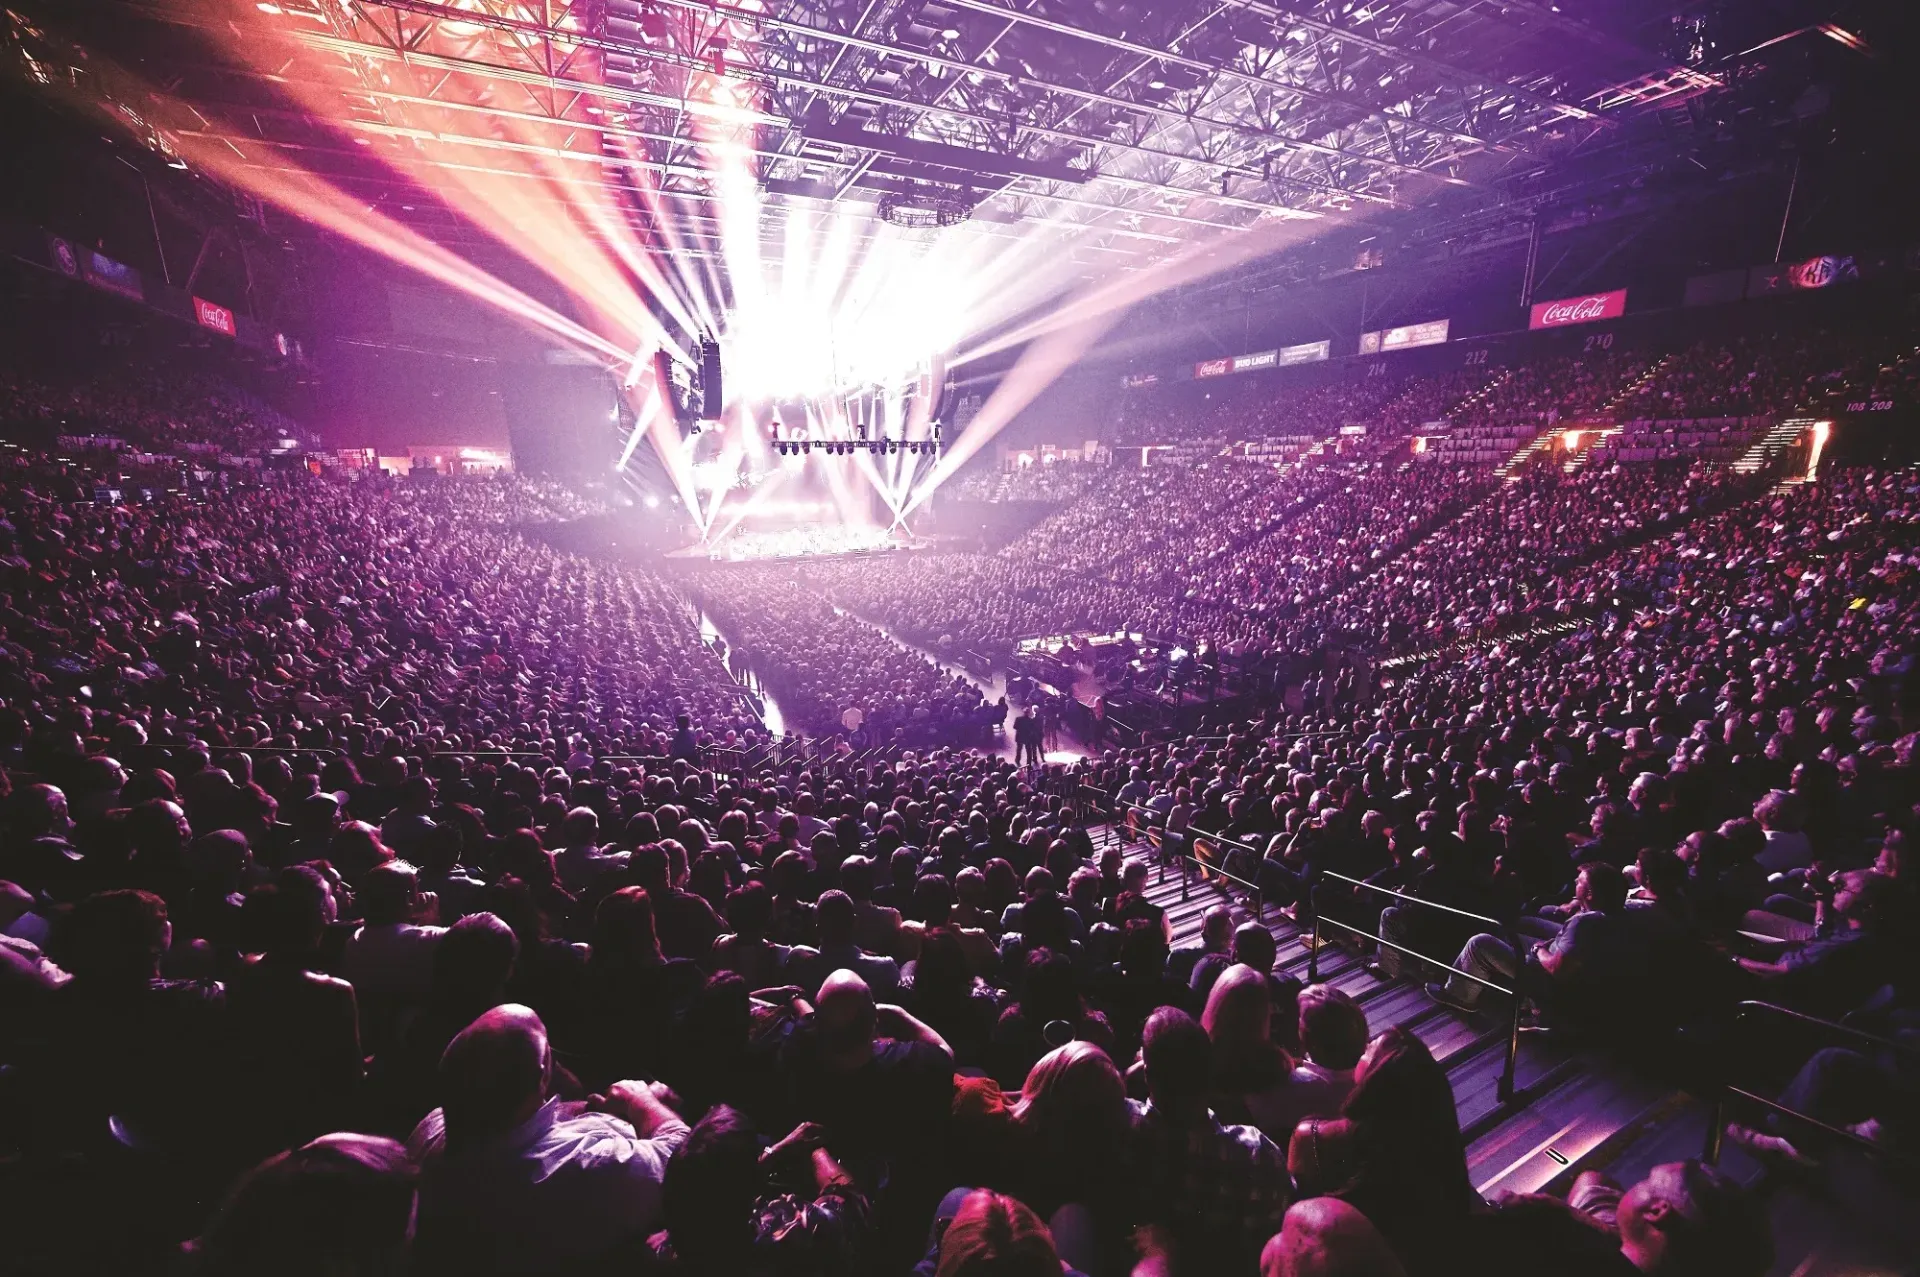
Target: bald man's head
[844,1020]
[1325,1237]
[494,1074]
[1253,945]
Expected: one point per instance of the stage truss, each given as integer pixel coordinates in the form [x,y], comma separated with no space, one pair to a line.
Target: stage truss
[1129,127]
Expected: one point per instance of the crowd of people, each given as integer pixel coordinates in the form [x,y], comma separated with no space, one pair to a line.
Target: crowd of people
[382,889]
[1040,481]
[819,663]
[1396,556]
[1752,375]
[1255,406]
[153,407]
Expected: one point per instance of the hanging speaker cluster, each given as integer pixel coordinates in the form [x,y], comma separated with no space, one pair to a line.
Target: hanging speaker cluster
[712,392]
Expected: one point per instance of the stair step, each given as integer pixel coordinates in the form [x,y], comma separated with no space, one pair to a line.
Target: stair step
[1564,1107]
[1560,1131]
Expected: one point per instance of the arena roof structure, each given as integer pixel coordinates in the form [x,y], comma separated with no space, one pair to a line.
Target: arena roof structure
[1131,127]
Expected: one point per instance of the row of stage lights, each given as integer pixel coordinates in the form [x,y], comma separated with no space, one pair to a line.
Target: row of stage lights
[847,447]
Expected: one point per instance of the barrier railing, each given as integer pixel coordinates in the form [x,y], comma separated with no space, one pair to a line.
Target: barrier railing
[1728,1092]
[217,750]
[1493,926]
[1091,801]
[1139,826]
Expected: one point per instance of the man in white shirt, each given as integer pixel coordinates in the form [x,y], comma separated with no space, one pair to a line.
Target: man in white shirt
[391,954]
[579,859]
[515,1181]
[1781,814]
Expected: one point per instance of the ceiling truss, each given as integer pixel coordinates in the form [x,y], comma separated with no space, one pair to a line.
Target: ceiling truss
[1131,126]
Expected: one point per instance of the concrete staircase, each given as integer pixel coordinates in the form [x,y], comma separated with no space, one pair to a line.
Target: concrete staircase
[1479,396]
[1575,1109]
[1634,387]
[1578,455]
[1533,450]
[1565,1105]
[1782,435]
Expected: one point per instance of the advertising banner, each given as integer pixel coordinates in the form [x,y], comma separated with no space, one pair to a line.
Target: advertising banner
[1579,310]
[63,255]
[115,277]
[1408,336]
[1787,277]
[1310,353]
[1213,368]
[1257,360]
[218,318]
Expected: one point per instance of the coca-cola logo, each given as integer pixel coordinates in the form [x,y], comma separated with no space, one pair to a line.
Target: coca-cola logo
[1580,310]
[1574,312]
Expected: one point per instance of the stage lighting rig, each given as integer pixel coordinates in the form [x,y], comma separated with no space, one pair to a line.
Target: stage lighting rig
[927,206]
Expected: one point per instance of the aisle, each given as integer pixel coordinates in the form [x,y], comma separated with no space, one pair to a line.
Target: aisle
[770,715]
[1070,751]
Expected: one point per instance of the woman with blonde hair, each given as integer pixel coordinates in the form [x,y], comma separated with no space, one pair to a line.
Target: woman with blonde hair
[1073,1094]
[1252,1077]
[1066,1152]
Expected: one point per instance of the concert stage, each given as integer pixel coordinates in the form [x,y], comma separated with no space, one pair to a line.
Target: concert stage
[806,541]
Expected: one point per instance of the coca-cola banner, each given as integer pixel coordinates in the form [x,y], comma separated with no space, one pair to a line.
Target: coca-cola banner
[216,317]
[1213,368]
[1579,310]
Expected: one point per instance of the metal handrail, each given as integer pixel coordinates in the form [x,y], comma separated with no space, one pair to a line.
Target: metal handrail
[1717,1123]
[1411,953]
[1493,924]
[1742,1009]
[254,749]
[1505,1088]
[1187,859]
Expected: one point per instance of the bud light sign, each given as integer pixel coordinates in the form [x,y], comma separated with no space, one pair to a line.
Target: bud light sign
[1579,310]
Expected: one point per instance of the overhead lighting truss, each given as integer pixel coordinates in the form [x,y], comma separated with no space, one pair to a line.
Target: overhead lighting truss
[1133,125]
